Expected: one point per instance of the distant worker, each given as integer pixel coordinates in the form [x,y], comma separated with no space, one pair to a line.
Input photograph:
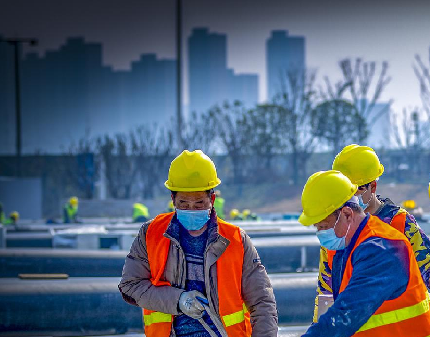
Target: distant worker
[140,212]
[170,207]
[2,217]
[248,215]
[362,166]
[70,211]
[219,205]
[411,207]
[235,215]
[12,219]
[193,273]
[377,286]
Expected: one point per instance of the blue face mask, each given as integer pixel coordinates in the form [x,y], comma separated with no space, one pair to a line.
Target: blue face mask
[193,220]
[361,202]
[329,240]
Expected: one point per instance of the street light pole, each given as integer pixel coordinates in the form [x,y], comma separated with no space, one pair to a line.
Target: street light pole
[179,73]
[16,44]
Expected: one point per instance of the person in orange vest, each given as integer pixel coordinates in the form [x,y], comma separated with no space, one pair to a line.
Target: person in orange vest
[377,286]
[362,166]
[193,273]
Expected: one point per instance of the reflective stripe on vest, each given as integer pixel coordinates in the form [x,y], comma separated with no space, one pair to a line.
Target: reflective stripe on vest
[236,317]
[157,317]
[397,315]
[408,314]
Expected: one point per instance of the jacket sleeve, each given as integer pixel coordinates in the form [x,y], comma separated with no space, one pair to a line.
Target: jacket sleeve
[324,280]
[257,292]
[420,243]
[380,273]
[135,285]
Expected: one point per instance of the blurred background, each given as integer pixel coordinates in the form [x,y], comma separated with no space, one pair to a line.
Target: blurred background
[97,97]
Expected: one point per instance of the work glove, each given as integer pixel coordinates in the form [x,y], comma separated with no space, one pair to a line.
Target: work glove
[190,305]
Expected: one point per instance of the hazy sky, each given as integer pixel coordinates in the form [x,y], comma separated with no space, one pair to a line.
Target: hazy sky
[375,30]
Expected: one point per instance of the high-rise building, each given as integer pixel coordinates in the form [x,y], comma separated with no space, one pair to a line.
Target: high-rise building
[380,130]
[210,81]
[284,54]
[68,94]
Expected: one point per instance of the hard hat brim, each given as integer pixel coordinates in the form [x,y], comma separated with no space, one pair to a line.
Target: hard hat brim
[192,189]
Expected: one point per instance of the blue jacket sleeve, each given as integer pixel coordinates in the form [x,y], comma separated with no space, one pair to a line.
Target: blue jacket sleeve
[381,272]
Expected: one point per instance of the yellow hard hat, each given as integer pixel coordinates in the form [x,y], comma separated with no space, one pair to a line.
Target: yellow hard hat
[324,192]
[409,204]
[246,212]
[234,212]
[14,215]
[74,201]
[359,163]
[192,171]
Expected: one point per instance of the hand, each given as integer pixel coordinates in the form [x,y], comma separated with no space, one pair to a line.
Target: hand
[190,305]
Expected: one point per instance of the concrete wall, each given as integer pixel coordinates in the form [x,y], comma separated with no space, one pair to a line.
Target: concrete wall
[23,195]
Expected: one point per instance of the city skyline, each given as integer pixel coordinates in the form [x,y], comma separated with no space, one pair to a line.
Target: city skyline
[384,30]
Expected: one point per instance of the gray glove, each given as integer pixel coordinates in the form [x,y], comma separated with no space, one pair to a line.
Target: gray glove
[190,305]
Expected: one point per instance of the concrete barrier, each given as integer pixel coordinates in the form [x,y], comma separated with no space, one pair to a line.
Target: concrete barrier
[279,255]
[84,306]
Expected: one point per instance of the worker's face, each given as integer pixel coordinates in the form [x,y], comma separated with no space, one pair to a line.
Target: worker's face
[366,191]
[193,200]
[340,221]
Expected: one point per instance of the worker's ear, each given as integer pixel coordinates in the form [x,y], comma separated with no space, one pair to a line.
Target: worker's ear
[373,186]
[173,199]
[213,196]
[347,213]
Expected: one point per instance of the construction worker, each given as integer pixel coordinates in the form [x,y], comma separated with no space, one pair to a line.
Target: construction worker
[411,207]
[193,273]
[140,212]
[377,285]
[12,219]
[170,207]
[219,205]
[362,166]
[70,211]
[248,215]
[235,215]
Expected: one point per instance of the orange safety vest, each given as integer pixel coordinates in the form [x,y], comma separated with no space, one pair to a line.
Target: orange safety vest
[407,315]
[398,222]
[234,314]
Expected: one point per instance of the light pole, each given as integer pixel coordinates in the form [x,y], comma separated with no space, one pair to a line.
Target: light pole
[179,73]
[16,42]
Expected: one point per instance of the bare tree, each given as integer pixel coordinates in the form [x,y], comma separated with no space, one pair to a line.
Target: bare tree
[229,121]
[365,84]
[198,133]
[411,136]
[120,166]
[422,72]
[85,172]
[295,104]
[335,122]
[152,149]
[263,125]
